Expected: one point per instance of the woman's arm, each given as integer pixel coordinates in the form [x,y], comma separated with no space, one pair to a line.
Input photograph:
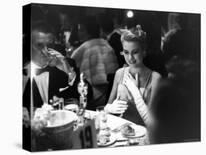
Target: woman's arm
[142,108]
[156,78]
[114,105]
[113,93]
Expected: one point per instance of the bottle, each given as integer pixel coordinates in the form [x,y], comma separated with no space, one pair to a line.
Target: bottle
[83,91]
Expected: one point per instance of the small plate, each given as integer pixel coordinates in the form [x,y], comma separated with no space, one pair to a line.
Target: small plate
[140,131]
[111,141]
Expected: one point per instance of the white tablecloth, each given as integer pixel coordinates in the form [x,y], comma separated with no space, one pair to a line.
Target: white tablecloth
[114,122]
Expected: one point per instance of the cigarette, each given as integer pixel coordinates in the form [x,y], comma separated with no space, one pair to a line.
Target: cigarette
[56,103]
[63,89]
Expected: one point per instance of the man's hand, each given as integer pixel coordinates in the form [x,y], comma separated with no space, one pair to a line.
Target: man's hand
[26,118]
[57,101]
[58,60]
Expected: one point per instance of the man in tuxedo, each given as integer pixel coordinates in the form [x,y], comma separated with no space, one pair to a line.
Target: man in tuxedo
[48,68]
[45,72]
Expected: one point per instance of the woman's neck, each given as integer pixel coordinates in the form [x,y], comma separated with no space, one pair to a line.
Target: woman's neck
[137,69]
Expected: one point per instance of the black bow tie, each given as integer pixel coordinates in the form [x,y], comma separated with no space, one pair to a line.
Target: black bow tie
[25,72]
[39,71]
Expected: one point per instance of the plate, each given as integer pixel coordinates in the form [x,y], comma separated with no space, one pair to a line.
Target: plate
[111,141]
[140,131]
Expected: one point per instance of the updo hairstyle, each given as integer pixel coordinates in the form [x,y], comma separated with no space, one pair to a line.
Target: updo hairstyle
[135,34]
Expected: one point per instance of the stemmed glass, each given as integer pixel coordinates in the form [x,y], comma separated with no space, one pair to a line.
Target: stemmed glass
[83,91]
[101,118]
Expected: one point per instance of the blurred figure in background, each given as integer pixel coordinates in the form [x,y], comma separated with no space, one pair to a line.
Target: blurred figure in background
[112,36]
[176,104]
[114,39]
[95,58]
[182,38]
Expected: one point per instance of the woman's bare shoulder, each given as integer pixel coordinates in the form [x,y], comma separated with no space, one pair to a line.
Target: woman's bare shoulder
[156,77]
[120,71]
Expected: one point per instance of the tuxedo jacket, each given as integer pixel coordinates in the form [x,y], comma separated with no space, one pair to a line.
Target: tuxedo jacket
[57,79]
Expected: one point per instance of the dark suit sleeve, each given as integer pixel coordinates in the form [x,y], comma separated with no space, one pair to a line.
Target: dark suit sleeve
[89,97]
[58,79]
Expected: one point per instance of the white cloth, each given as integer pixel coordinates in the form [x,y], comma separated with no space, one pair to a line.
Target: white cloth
[72,81]
[42,82]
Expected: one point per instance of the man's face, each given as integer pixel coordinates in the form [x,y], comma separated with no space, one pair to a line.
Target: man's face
[40,43]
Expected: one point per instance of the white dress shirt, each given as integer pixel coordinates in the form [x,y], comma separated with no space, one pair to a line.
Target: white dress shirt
[41,80]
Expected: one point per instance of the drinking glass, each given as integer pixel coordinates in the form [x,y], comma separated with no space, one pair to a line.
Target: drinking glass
[101,118]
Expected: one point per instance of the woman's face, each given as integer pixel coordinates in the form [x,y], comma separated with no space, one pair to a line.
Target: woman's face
[133,53]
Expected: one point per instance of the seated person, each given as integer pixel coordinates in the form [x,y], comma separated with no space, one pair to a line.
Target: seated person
[47,67]
[71,91]
[133,85]
[44,73]
[176,104]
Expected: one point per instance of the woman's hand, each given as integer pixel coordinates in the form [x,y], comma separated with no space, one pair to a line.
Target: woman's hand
[130,78]
[131,84]
[117,107]
[142,108]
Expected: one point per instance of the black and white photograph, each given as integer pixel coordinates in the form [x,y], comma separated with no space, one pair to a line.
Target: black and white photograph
[98,77]
[102,77]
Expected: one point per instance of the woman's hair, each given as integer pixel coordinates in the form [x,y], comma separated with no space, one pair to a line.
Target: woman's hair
[135,34]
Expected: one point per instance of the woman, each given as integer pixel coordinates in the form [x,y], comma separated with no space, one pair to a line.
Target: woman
[133,85]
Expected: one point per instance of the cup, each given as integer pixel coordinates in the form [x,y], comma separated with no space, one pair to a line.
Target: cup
[101,118]
[71,104]
[102,113]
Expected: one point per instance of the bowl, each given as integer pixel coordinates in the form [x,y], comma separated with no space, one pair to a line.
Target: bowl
[58,131]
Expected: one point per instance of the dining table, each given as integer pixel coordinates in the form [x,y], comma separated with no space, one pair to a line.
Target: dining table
[115,125]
